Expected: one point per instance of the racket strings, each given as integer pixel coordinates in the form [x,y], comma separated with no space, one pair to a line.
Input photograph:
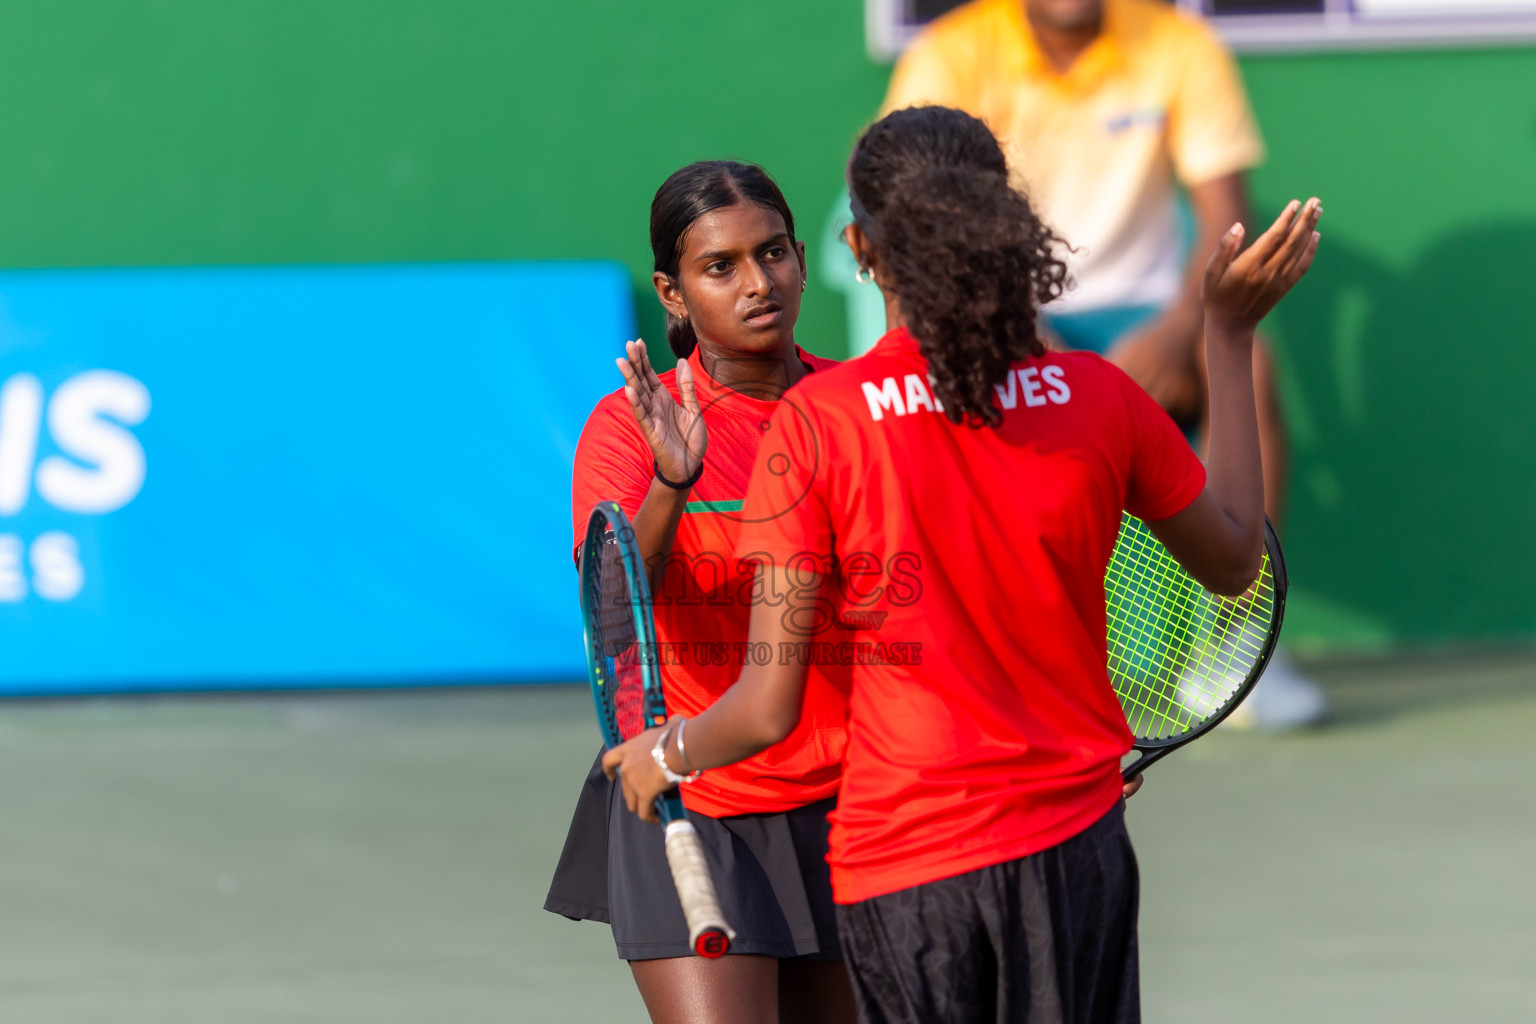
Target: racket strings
[619,644]
[1177,653]
[1160,704]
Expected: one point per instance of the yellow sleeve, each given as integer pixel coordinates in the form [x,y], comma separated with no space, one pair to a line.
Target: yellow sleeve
[931,73]
[1211,128]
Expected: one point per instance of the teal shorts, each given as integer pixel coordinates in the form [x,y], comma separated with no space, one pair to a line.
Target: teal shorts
[1097,330]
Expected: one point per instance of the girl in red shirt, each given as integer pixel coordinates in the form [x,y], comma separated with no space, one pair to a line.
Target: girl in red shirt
[675,450]
[979,856]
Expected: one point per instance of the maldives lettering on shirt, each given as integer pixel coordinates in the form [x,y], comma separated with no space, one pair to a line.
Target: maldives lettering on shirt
[703,603]
[997,733]
[1036,385]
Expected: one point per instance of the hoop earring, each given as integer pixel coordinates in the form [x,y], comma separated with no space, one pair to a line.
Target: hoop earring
[864,275]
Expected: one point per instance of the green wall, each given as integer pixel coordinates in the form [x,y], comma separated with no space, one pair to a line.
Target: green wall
[1407,354]
[254,131]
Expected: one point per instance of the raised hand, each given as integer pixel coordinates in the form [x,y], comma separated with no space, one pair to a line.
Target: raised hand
[675,432]
[1240,290]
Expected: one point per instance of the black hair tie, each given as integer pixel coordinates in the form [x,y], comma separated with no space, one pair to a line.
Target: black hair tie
[686,485]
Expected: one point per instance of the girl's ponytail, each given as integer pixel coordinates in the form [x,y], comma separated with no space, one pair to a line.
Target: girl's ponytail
[680,336]
[961,249]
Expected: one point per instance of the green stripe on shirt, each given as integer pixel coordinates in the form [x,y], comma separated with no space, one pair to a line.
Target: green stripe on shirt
[713,506]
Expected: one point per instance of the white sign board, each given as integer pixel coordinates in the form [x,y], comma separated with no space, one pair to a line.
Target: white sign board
[1277,25]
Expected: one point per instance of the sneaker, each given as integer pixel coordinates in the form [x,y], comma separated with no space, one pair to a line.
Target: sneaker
[1283,699]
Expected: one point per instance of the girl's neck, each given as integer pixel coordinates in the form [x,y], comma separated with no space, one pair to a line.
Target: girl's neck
[759,374]
[894,317]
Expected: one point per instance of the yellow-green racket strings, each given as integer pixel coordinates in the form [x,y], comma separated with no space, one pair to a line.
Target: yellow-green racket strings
[1177,653]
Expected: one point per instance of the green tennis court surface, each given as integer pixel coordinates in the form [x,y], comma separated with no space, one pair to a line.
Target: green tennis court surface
[382,857]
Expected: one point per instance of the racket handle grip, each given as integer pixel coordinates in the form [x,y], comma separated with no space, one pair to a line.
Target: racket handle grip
[708,934]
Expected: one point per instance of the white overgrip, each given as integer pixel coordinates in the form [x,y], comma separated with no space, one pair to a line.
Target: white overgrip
[695,889]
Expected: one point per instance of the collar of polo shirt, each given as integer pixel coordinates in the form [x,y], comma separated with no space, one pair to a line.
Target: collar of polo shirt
[1093,64]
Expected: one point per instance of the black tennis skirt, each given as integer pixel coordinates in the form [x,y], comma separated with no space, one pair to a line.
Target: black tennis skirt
[770,871]
[1045,939]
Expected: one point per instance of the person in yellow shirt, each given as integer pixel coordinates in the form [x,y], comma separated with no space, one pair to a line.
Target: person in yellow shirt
[1107,109]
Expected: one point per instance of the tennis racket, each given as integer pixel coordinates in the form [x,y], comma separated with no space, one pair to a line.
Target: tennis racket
[1180,657]
[622,666]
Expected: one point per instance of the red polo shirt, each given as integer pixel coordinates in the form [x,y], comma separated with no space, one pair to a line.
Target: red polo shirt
[982,724]
[703,605]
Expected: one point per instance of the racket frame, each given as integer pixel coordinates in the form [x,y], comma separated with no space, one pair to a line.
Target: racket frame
[708,933]
[1154,750]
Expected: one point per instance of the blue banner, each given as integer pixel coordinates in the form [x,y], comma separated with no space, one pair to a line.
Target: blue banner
[219,478]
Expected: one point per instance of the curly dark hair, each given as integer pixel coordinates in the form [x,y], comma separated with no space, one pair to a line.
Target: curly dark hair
[959,247]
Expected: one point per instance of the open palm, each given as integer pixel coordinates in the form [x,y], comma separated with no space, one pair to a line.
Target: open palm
[674,431]
[1239,290]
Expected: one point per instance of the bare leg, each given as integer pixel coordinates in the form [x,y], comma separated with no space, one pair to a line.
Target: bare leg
[693,990]
[815,993]
[1273,448]
[1272,443]
[1285,699]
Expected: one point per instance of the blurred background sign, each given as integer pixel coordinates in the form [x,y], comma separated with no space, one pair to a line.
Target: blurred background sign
[291,476]
[1259,25]
[177,133]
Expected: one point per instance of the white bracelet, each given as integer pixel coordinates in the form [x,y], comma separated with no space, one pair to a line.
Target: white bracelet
[659,755]
[682,751]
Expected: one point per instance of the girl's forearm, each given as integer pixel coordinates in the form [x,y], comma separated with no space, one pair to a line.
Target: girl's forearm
[734,728]
[655,526]
[1234,465]
[763,707]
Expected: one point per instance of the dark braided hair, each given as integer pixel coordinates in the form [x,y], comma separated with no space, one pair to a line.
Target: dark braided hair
[959,247]
[687,195]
